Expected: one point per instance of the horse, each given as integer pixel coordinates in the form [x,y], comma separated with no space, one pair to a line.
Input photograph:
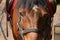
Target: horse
[30,19]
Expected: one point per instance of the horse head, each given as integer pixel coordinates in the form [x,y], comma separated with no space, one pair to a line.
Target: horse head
[31,20]
[32,17]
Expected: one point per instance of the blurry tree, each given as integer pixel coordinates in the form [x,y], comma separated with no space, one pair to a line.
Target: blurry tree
[58,1]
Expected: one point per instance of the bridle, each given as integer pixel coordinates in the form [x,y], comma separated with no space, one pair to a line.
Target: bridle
[23,32]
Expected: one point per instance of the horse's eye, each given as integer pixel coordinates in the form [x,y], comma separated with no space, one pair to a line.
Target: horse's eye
[21,14]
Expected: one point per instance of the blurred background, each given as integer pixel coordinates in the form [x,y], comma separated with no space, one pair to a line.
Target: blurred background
[58,1]
[56,22]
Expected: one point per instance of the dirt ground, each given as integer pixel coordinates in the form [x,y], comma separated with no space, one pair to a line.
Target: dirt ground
[10,36]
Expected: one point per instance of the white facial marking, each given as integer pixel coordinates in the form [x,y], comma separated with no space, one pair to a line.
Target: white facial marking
[35,7]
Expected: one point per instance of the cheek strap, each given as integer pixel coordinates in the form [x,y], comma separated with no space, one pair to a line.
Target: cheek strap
[14,3]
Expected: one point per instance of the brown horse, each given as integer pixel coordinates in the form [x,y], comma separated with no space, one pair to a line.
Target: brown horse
[31,20]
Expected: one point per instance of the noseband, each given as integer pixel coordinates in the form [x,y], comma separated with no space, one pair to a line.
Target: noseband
[24,32]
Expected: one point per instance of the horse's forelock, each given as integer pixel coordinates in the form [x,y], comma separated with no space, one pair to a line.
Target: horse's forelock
[26,3]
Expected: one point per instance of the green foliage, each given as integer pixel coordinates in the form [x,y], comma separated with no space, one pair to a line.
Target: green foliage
[58,1]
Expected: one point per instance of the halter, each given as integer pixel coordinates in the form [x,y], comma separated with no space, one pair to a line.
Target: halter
[23,32]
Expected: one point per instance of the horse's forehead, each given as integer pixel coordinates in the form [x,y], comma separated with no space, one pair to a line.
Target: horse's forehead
[35,7]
